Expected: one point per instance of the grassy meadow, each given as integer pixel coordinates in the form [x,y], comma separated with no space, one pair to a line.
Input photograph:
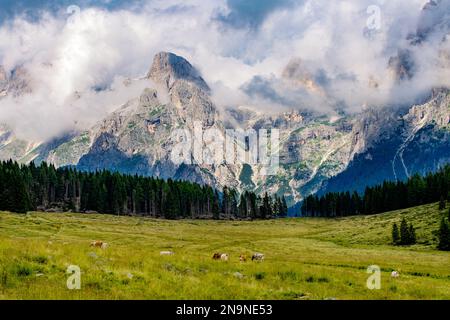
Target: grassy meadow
[305,258]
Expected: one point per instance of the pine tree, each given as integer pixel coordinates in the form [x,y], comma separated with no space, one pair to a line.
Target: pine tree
[19,200]
[215,208]
[284,206]
[395,234]
[442,203]
[444,236]
[278,207]
[266,208]
[243,206]
[404,232]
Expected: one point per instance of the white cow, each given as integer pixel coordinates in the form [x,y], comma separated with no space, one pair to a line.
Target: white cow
[166,253]
[224,257]
[395,274]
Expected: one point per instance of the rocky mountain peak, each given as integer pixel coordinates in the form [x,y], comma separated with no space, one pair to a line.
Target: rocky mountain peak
[167,68]
[433,18]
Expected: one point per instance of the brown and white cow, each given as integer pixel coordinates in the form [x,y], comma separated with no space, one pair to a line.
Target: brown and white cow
[96,244]
[99,244]
[221,256]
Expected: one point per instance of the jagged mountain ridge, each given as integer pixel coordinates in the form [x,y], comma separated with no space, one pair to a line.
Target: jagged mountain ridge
[417,142]
[313,149]
[317,153]
[137,137]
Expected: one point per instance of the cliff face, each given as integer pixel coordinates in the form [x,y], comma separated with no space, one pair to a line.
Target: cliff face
[137,138]
[416,142]
[317,153]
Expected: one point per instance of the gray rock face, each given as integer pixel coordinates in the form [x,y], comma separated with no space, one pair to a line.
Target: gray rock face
[402,65]
[15,84]
[433,19]
[416,142]
[317,153]
[19,82]
[167,68]
[434,27]
[137,137]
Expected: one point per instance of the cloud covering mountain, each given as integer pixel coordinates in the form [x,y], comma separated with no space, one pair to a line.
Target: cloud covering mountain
[316,55]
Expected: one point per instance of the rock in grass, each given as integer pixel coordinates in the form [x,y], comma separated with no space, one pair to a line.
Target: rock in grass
[395,274]
[166,253]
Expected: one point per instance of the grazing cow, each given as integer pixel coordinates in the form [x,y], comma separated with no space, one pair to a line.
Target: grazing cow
[217,256]
[224,257]
[166,253]
[243,258]
[97,244]
[395,274]
[258,257]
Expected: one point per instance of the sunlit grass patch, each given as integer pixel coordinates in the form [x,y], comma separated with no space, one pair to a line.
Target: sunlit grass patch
[305,258]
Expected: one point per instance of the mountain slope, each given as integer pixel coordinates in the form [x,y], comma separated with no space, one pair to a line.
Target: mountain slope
[417,142]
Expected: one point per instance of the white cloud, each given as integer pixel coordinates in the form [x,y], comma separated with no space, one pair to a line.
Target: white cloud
[101,47]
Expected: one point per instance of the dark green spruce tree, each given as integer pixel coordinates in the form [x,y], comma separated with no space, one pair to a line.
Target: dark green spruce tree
[444,236]
[404,232]
[442,203]
[395,234]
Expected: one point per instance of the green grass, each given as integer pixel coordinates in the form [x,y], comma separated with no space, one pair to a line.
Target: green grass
[305,258]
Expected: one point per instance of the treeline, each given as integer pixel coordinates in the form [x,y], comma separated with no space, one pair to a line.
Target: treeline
[26,188]
[389,196]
